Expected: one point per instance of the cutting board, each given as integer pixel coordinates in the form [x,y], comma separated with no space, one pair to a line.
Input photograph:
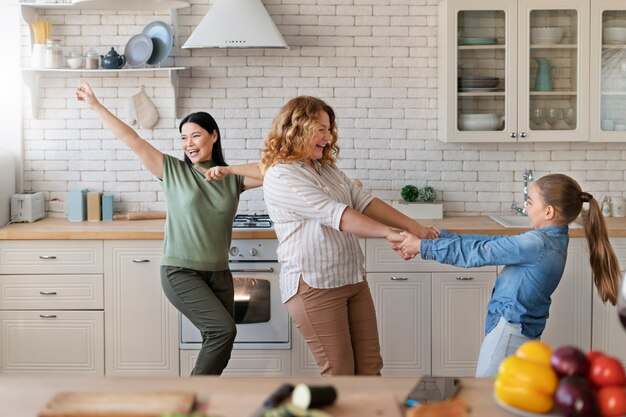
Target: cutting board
[118,404]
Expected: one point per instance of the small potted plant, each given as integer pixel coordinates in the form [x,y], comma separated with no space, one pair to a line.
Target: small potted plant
[419,203]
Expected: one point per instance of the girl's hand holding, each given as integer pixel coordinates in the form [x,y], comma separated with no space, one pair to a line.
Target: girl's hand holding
[428,232]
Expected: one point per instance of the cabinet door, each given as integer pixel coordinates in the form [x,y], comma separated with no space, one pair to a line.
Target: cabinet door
[50,257]
[403,312]
[608,71]
[52,341]
[141,327]
[245,362]
[477,70]
[553,75]
[570,313]
[302,360]
[608,334]
[459,309]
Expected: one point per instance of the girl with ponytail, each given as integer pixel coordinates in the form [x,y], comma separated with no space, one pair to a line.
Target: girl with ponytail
[534,263]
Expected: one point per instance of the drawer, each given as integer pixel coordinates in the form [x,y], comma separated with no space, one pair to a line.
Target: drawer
[60,292]
[68,342]
[51,257]
[379,257]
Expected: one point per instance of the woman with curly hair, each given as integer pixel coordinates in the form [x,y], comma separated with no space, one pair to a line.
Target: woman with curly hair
[318,214]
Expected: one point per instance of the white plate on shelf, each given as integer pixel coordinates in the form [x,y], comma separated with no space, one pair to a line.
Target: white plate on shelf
[520,412]
[138,50]
[162,37]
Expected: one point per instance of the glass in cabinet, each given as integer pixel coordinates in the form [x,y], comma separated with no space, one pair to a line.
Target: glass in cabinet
[513,71]
[608,71]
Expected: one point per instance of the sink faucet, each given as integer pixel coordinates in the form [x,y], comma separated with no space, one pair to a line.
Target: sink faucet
[528,176]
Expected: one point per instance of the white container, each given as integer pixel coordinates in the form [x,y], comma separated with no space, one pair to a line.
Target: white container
[54,54]
[38,56]
[478,121]
[618,207]
[75,60]
[614,35]
[419,210]
[546,35]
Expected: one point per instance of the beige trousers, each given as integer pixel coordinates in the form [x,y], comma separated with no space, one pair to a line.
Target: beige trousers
[339,326]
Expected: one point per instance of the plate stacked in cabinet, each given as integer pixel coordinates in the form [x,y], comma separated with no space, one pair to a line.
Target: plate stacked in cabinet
[51,307]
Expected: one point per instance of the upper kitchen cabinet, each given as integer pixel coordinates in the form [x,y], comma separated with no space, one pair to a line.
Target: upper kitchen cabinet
[513,70]
[608,71]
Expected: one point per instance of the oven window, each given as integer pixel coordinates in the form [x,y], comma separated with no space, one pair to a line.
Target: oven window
[252,300]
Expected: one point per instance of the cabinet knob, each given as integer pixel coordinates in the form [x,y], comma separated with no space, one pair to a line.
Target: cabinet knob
[522,135]
[141,261]
[47,257]
[513,135]
[464,278]
[399,279]
[48,292]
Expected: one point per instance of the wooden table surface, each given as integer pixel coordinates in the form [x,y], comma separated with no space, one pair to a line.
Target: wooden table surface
[59,228]
[25,396]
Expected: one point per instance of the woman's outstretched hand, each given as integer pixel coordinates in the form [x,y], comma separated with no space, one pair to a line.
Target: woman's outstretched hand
[85,93]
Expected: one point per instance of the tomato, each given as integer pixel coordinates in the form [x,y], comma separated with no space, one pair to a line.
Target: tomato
[607,371]
[592,354]
[611,401]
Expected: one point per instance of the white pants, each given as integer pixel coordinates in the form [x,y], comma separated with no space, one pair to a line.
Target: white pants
[499,343]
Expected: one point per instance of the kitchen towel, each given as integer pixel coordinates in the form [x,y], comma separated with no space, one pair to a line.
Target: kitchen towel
[144,111]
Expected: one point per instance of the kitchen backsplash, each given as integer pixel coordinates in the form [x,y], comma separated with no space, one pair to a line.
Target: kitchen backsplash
[375,63]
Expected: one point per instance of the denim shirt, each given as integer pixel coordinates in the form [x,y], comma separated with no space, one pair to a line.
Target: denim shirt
[534,263]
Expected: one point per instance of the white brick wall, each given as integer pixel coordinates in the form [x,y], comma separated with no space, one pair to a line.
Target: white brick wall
[376,63]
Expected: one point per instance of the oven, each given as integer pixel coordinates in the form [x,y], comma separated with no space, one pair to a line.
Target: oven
[262,320]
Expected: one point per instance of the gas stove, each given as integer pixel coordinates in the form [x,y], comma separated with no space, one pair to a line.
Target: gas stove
[252,221]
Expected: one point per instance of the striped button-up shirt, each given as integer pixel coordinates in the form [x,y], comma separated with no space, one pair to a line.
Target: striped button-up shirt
[306,208]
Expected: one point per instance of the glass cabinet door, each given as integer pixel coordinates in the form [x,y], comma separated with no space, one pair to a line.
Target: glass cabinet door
[554,71]
[609,71]
[481,69]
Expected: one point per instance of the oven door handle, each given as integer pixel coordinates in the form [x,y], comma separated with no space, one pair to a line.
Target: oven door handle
[270,269]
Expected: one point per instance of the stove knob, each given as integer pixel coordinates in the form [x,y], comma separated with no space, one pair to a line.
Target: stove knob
[234,251]
[254,252]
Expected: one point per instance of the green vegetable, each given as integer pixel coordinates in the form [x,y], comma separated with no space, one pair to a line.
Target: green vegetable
[427,194]
[409,193]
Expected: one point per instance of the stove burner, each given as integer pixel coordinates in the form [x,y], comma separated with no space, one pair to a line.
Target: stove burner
[252,221]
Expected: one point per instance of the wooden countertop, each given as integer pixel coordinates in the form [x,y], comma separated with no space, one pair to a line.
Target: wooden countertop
[61,229]
[25,396]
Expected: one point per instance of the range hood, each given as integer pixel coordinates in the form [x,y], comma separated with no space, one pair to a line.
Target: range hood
[236,24]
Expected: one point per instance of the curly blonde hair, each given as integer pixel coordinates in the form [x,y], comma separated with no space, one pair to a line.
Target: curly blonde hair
[293,130]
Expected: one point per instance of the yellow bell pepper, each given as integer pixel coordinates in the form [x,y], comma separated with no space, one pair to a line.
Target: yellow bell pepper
[536,351]
[526,384]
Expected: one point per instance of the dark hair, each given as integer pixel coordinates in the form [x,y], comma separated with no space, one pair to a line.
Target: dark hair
[208,123]
[565,195]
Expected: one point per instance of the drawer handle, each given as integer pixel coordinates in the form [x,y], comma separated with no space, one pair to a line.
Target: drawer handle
[141,261]
[399,279]
[48,292]
[270,269]
[464,278]
[47,257]
[48,316]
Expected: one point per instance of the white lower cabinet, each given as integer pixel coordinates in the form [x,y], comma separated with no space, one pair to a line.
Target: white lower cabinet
[608,334]
[51,307]
[431,316]
[141,326]
[459,308]
[245,362]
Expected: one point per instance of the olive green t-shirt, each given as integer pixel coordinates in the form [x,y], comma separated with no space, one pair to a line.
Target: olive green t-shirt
[198,228]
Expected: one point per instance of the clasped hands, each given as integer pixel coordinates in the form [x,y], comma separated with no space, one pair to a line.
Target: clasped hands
[407,244]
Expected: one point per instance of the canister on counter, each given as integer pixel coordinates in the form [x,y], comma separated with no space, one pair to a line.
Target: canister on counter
[77,205]
[107,207]
[618,208]
[94,213]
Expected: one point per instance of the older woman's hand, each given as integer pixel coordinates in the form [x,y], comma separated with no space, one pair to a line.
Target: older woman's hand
[424,232]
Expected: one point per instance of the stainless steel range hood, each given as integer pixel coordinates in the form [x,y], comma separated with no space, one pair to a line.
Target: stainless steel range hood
[236,24]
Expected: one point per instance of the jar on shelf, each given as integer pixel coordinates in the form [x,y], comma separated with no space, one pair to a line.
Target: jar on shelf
[74,60]
[92,59]
[54,54]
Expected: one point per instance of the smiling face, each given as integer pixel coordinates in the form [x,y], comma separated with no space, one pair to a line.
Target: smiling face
[321,138]
[539,213]
[197,143]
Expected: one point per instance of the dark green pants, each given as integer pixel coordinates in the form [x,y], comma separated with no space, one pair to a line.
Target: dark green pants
[206,298]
